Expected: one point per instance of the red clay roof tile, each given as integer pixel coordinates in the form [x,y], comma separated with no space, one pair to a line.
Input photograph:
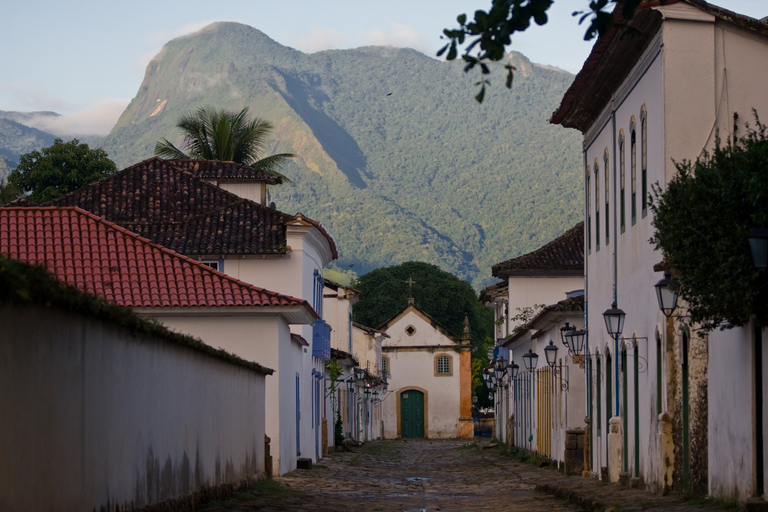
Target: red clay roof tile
[105,259]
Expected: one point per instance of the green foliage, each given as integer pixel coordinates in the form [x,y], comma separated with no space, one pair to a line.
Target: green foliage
[215,134]
[702,221]
[395,177]
[9,192]
[61,168]
[490,32]
[440,294]
[17,139]
[525,315]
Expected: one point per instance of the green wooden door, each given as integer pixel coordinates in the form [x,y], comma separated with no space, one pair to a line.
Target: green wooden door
[412,413]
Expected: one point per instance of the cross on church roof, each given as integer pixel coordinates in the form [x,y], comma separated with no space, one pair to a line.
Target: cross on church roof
[410,282]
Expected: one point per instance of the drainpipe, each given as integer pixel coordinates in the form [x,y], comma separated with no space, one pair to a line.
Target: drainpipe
[586,288]
[615,252]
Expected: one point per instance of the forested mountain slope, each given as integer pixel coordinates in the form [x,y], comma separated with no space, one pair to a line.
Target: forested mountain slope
[396,158]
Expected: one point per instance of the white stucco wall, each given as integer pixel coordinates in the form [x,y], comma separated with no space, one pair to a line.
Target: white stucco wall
[97,417]
[731,388]
[692,78]
[337,311]
[412,366]
[265,340]
[526,291]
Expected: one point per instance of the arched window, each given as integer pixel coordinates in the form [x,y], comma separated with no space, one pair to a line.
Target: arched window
[607,190]
[597,205]
[644,160]
[633,163]
[443,365]
[622,159]
[589,210]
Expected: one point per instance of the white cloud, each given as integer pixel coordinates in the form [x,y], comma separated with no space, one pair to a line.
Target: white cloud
[320,38]
[29,98]
[98,119]
[398,35]
[158,39]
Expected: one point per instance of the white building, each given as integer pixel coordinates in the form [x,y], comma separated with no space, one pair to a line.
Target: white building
[429,376]
[670,408]
[175,204]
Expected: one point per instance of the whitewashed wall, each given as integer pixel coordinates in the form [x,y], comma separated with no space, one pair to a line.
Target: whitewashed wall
[414,368]
[266,340]
[92,416]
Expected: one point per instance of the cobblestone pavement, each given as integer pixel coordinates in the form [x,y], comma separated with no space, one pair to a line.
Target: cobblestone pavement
[432,475]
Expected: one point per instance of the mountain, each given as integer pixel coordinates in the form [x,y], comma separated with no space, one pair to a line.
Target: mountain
[395,157]
[16,139]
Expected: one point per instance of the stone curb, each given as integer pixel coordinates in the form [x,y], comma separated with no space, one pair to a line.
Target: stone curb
[573,497]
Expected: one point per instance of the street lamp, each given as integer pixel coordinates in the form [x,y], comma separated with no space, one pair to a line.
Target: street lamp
[359,373]
[550,353]
[498,371]
[575,341]
[565,331]
[530,360]
[351,384]
[666,295]
[614,320]
[512,370]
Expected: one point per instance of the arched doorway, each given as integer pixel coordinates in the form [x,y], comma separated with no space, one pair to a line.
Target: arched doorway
[412,413]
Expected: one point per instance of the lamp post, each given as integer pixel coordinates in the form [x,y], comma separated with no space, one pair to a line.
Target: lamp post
[565,331]
[666,295]
[614,322]
[512,370]
[550,353]
[575,341]
[530,360]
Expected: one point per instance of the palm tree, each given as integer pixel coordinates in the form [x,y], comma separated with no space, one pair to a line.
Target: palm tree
[215,134]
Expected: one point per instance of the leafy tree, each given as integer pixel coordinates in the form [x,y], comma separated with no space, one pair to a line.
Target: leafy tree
[703,219]
[215,134]
[8,192]
[491,31]
[440,294]
[58,169]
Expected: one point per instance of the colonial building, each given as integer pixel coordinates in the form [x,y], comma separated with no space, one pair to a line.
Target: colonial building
[429,378]
[176,204]
[670,406]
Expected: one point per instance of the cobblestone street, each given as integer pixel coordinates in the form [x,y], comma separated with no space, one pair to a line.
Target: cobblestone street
[445,475]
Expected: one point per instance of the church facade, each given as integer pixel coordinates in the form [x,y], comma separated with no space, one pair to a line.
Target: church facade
[429,376]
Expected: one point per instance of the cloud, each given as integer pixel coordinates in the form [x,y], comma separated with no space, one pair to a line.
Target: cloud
[158,38]
[398,35]
[320,38]
[98,119]
[30,98]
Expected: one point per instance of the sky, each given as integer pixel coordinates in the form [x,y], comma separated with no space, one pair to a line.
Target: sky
[85,59]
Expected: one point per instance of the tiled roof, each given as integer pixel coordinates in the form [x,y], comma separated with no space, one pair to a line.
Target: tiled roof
[570,305]
[161,200]
[613,56]
[106,260]
[494,291]
[218,170]
[562,256]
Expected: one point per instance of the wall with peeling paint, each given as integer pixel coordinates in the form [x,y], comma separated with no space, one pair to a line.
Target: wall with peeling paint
[92,416]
